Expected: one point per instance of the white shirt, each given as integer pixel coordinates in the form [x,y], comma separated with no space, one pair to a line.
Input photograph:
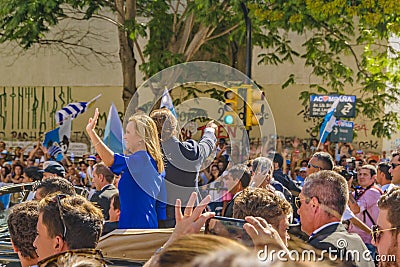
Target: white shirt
[322,227]
[391,186]
[348,214]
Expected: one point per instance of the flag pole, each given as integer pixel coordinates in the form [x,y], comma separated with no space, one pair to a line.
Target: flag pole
[93,100]
[320,139]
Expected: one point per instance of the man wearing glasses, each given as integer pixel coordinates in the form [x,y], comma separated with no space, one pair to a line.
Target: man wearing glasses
[321,204]
[320,161]
[65,223]
[386,233]
[395,170]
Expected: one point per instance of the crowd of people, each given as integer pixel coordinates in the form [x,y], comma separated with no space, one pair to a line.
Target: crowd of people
[339,200]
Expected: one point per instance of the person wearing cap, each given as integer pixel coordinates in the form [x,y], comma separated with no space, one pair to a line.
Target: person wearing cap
[91,160]
[302,175]
[53,169]
[3,156]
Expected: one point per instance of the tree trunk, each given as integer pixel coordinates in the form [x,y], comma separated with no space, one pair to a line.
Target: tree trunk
[126,50]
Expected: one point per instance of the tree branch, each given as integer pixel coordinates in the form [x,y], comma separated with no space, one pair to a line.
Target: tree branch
[222,33]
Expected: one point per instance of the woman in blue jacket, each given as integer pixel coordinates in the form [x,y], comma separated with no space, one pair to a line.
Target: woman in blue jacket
[141,180]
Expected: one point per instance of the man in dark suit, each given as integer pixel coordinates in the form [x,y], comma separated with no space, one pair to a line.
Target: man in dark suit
[114,213]
[103,180]
[321,204]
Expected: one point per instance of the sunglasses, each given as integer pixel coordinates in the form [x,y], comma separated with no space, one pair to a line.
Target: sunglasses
[394,165]
[57,199]
[64,257]
[297,201]
[377,233]
[309,165]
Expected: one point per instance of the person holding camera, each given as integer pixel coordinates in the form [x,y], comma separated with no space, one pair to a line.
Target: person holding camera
[363,203]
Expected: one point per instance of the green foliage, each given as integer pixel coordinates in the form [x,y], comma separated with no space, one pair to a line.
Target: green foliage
[27,22]
[332,30]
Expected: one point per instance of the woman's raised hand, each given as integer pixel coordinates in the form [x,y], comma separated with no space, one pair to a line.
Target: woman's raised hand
[92,121]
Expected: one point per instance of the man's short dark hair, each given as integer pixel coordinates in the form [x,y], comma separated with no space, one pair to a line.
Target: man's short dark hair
[240,171]
[278,159]
[101,168]
[84,221]
[369,167]
[22,220]
[384,167]
[55,184]
[116,203]
[330,188]
[33,173]
[326,158]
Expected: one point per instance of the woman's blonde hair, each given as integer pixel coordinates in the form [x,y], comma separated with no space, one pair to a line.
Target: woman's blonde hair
[147,130]
[186,248]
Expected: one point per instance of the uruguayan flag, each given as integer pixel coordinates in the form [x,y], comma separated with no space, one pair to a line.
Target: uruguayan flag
[73,110]
[57,140]
[328,123]
[166,102]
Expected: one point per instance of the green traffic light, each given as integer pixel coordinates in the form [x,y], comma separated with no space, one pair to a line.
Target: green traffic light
[228,119]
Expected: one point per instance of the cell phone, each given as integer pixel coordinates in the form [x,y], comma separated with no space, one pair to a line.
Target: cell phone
[230,228]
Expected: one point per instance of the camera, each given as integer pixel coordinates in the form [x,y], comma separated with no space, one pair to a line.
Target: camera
[348,174]
[351,163]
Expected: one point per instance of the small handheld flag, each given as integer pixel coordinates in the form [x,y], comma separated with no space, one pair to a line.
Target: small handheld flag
[73,110]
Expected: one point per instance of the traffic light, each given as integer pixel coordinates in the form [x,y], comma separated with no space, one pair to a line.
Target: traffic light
[230,107]
[255,107]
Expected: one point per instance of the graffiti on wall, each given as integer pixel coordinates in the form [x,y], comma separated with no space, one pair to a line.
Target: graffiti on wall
[33,108]
[26,113]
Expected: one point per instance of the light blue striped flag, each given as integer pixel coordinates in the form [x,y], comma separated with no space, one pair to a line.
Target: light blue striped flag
[166,102]
[329,121]
[113,133]
[73,110]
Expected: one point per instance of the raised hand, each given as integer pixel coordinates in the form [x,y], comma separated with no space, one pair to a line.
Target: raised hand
[211,124]
[191,221]
[92,121]
[263,234]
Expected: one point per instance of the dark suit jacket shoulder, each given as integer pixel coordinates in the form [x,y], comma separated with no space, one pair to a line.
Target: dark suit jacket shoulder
[335,238]
[103,197]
